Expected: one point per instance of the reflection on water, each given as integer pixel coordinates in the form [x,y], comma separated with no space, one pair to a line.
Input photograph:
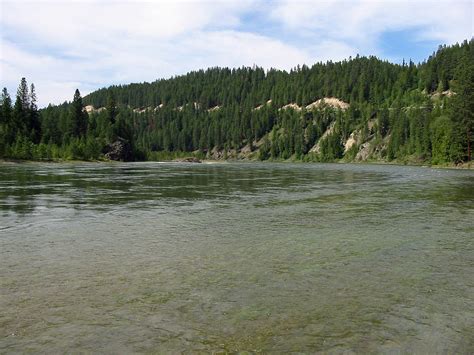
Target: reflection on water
[142,257]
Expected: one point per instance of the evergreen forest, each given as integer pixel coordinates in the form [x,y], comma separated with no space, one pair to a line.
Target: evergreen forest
[359,109]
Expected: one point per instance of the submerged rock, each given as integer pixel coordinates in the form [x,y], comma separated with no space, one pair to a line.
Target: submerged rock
[120,150]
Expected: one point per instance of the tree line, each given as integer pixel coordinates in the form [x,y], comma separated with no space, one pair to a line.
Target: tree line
[420,112]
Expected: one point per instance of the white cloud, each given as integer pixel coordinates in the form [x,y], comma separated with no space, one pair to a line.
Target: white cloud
[103,42]
[364,20]
[61,45]
[79,22]
[233,49]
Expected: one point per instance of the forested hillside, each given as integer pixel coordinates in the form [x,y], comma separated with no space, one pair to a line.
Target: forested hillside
[358,109]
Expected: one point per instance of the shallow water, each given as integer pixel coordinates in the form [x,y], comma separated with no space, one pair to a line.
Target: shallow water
[145,257]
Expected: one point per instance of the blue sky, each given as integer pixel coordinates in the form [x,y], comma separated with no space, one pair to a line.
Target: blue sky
[88,44]
[400,45]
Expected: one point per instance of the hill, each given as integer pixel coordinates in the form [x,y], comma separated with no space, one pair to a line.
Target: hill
[362,108]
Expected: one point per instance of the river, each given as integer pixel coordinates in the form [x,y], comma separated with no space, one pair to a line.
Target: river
[259,257]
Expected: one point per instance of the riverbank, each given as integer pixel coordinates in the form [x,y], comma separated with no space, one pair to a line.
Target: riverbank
[194,160]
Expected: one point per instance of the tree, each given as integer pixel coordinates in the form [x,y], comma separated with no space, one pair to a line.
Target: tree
[219,109]
[20,111]
[6,111]
[462,109]
[5,118]
[383,122]
[23,96]
[6,107]
[441,140]
[78,117]
[264,151]
[34,125]
[111,107]
[50,126]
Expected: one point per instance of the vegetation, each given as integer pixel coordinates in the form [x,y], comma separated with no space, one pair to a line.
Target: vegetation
[411,112]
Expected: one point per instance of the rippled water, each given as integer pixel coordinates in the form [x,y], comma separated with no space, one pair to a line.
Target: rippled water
[145,257]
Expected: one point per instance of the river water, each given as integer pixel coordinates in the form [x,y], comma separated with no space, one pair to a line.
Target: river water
[149,257]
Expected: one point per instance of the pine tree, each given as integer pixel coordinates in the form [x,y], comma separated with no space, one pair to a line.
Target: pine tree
[111,108]
[383,122]
[23,95]
[20,111]
[34,125]
[78,117]
[462,109]
[5,114]
[406,117]
[5,118]
[6,107]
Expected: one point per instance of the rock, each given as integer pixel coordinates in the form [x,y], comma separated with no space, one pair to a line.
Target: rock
[189,160]
[351,141]
[246,149]
[292,106]
[120,150]
[329,101]
[215,154]
[89,108]
[364,152]
[317,147]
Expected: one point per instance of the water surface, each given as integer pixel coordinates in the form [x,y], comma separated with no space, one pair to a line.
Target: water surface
[145,257]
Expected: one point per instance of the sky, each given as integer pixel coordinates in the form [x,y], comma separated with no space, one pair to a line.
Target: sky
[89,44]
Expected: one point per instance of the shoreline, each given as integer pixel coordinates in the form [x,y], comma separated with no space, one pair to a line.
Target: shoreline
[463,166]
